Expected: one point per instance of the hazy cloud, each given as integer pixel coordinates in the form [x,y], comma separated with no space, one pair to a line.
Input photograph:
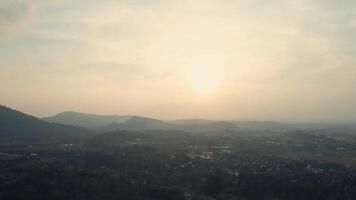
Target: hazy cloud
[16,14]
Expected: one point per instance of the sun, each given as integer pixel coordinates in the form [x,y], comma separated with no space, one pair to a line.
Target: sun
[204,77]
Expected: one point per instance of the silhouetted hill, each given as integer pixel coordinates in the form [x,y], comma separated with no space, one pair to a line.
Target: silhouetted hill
[283,127]
[264,125]
[15,125]
[143,123]
[191,121]
[137,123]
[86,120]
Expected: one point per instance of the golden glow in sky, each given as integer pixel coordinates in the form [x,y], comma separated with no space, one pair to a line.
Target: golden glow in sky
[204,75]
[239,59]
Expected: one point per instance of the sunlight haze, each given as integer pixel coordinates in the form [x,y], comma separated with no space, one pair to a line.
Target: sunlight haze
[217,59]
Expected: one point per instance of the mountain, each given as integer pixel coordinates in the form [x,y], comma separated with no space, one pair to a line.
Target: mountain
[283,127]
[191,121]
[15,125]
[143,123]
[137,123]
[85,120]
[264,125]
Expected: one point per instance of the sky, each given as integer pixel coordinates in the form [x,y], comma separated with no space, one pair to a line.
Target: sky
[279,60]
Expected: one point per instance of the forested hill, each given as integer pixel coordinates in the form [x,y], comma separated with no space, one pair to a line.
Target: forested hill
[85,120]
[15,125]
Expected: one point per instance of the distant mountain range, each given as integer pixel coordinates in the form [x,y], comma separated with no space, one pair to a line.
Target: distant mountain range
[86,120]
[104,123]
[15,125]
[136,123]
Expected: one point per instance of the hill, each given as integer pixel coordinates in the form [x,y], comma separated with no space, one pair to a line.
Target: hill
[137,123]
[15,125]
[85,120]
